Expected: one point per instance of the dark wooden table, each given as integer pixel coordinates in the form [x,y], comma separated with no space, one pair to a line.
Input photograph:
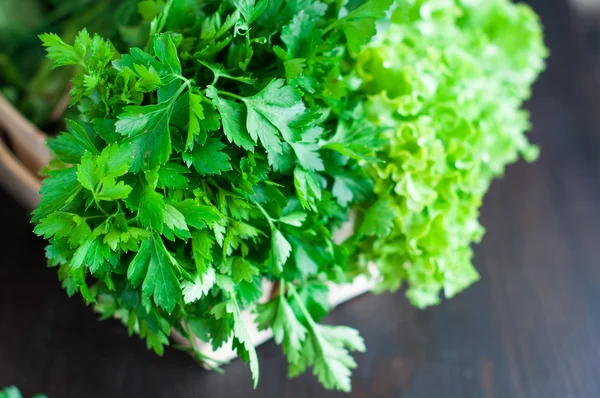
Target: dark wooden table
[529,329]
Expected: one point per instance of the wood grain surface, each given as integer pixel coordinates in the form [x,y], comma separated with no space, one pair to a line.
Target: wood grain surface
[529,329]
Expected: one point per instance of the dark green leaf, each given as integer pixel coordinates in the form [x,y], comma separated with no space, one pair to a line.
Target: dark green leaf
[152,210]
[58,190]
[209,158]
[157,271]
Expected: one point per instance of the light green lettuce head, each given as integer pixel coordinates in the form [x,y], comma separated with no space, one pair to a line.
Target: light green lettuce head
[447,80]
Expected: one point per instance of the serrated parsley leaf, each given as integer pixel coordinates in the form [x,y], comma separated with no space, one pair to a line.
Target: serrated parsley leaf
[278,315]
[208,158]
[242,269]
[379,219]
[58,190]
[197,215]
[149,79]
[233,116]
[240,332]
[60,52]
[328,347]
[357,140]
[196,116]
[301,36]
[112,190]
[174,219]
[114,161]
[348,187]
[359,26]
[194,291]
[280,249]
[152,210]
[295,218]
[145,66]
[307,150]
[148,130]
[165,50]
[172,175]
[251,9]
[138,57]
[93,253]
[202,243]
[71,145]
[276,108]
[341,191]
[87,173]
[308,188]
[92,55]
[98,174]
[64,225]
[157,271]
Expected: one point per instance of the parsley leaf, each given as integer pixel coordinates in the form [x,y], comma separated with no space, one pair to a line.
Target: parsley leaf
[280,249]
[278,315]
[57,192]
[379,219]
[70,146]
[152,210]
[209,158]
[64,225]
[148,129]
[157,271]
[196,117]
[359,26]
[232,117]
[194,291]
[327,349]
[276,108]
[308,188]
[251,9]
[245,347]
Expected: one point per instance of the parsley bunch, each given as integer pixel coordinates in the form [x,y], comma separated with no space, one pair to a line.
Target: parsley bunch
[447,80]
[225,151]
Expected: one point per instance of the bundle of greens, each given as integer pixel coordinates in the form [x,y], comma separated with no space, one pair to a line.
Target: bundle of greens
[221,153]
[230,147]
[447,80]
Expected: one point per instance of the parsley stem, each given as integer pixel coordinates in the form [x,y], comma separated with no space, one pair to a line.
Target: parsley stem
[100,207]
[186,84]
[232,95]
[92,217]
[282,288]
[264,212]
[291,288]
[312,325]
[333,25]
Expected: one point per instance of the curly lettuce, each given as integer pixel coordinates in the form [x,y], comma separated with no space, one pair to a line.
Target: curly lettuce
[445,81]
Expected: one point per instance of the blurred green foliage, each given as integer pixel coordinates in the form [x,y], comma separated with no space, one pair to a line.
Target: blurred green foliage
[27,78]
